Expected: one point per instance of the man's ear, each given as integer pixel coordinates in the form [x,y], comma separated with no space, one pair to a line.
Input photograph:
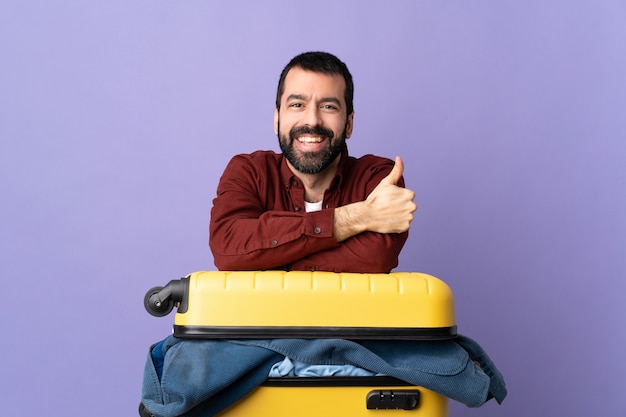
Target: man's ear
[276,121]
[349,125]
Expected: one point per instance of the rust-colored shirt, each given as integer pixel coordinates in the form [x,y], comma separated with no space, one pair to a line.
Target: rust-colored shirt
[259,221]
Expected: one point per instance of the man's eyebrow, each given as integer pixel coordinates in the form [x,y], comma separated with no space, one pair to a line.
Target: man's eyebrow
[323,100]
[296,97]
[332,100]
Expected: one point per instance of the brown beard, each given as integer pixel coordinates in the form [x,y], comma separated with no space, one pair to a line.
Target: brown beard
[311,162]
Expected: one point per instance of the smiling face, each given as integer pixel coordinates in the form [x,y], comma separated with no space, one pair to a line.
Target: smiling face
[312,123]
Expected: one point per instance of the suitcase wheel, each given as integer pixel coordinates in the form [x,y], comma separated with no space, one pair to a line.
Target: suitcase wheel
[154,305]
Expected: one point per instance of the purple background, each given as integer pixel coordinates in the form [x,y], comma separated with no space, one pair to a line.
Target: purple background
[117,118]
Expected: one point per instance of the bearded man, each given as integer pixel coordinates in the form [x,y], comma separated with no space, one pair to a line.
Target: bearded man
[313,207]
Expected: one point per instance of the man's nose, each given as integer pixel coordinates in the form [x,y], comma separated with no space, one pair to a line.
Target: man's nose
[312,116]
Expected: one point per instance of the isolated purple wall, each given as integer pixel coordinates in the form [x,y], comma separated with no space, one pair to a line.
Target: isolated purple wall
[117,118]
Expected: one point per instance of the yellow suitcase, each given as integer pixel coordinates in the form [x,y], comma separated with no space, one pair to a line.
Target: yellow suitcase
[298,304]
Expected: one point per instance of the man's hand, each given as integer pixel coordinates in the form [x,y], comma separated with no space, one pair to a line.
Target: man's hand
[388,209]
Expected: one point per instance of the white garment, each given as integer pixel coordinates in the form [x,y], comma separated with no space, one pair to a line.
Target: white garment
[309,207]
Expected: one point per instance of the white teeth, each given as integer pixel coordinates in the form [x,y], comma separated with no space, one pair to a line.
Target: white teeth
[309,139]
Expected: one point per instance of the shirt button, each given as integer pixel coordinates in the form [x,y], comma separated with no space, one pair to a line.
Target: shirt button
[317,230]
[274,242]
[298,208]
[313,269]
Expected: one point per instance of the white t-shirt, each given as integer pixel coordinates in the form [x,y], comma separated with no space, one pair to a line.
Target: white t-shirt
[309,207]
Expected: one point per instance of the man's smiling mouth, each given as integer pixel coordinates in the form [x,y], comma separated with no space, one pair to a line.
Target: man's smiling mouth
[310,139]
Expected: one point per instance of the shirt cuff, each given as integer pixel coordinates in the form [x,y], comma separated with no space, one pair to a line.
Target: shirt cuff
[320,223]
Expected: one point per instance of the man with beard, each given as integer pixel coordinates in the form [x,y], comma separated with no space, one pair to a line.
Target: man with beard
[313,207]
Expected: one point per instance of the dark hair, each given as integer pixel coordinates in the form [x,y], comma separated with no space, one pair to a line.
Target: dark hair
[320,62]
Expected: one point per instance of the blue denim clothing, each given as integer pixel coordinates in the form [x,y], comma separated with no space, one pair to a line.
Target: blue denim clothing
[202,377]
[186,373]
[293,368]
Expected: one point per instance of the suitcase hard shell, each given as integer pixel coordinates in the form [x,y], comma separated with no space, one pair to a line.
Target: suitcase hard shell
[339,397]
[297,304]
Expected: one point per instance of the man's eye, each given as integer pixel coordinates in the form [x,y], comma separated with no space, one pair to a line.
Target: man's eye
[296,105]
[329,107]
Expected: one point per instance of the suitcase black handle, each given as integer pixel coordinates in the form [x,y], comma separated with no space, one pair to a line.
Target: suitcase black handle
[393,399]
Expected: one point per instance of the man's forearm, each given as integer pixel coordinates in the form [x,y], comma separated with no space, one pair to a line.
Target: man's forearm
[272,240]
[348,221]
[366,252]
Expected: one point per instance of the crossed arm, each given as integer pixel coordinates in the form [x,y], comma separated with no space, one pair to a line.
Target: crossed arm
[363,236]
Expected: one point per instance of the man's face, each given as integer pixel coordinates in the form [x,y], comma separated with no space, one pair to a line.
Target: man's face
[312,124]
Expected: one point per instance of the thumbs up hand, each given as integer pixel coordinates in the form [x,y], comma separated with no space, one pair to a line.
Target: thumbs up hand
[394,176]
[387,209]
[390,208]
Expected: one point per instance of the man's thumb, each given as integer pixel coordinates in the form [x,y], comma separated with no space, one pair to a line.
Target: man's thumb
[394,176]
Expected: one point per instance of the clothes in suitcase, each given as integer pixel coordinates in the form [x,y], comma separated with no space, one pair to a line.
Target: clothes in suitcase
[400,325]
